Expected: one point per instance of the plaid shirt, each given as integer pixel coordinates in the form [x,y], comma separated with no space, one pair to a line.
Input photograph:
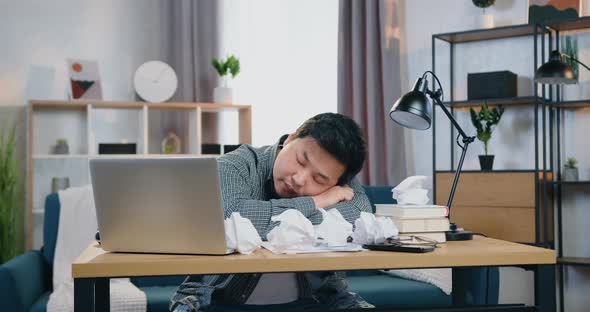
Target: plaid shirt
[247,187]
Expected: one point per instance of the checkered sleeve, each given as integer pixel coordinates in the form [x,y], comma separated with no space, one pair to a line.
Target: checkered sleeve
[350,210]
[238,193]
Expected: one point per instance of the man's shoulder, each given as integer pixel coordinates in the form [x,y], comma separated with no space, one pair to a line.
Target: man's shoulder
[246,156]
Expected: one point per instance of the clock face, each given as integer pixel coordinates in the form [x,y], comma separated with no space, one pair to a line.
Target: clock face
[155,81]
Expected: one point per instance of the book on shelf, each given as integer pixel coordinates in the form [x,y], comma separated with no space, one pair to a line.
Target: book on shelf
[437,236]
[439,224]
[411,211]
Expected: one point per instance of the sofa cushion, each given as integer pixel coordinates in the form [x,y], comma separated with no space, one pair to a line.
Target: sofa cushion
[50,225]
[158,298]
[385,290]
[41,304]
[379,195]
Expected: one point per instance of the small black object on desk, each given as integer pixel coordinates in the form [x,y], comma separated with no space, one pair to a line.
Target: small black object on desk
[413,110]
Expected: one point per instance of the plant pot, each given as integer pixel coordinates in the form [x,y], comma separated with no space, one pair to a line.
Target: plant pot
[59,183]
[570,174]
[61,149]
[486,162]
[223,95]
[487,21]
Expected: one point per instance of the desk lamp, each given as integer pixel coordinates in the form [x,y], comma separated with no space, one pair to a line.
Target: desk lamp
[413,110]
[556,71]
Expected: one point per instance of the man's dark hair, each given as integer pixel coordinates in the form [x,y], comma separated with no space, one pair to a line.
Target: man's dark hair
[341,137]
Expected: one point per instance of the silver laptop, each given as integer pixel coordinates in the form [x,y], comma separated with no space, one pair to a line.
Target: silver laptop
[159,205]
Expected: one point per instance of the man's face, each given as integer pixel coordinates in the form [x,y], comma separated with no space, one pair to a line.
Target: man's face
[304,168]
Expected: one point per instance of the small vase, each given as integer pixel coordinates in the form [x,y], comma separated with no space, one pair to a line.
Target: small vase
[223,95]
[486,162]
[487,21]
[61,149]
[570,174]
[171,144]
[59,183]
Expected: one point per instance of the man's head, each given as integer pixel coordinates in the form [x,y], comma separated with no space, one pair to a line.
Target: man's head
[327,150]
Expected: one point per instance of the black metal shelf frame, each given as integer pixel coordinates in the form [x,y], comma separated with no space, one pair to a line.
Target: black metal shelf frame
[555,112]
[541,284]
[538,101]
[552,108]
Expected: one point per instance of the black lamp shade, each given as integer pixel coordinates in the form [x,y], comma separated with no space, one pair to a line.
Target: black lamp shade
[555,71]
[413,110]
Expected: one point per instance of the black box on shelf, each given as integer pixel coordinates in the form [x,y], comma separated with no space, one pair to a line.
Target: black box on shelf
[491,85]
[117,148]
[209,149]
[230,147]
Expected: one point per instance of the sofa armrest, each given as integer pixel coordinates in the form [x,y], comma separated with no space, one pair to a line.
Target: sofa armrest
[476,285]
[22,281]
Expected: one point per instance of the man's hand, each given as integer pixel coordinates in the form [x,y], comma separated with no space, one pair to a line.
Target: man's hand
[332,196]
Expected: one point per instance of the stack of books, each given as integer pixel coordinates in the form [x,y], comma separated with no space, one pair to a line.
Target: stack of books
[428,221]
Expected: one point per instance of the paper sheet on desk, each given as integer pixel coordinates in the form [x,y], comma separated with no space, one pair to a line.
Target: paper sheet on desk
[314,249]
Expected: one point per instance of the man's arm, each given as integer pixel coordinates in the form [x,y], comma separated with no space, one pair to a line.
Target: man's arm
[238,193]
[350,210]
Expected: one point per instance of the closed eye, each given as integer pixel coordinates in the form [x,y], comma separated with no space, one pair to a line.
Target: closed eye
[299,162]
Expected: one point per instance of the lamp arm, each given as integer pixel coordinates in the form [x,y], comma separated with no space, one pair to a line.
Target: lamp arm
[466,141]
[575,60]
[457,173]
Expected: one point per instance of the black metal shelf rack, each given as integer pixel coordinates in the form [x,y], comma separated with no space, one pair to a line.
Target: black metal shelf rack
[546,102]
[555,108]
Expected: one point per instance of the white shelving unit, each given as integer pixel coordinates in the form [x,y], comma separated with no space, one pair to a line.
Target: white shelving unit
[85,123]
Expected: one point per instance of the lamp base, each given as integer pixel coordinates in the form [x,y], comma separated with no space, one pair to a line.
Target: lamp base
[458,235]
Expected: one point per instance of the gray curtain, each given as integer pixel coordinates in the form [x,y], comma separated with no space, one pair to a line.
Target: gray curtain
[369,82]
[193,36]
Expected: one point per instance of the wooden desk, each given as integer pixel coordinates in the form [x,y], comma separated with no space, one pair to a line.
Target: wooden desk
[94,267]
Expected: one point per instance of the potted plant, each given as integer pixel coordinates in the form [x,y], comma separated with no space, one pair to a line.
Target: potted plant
[61,147]
[230,66]
[570,170]
[484,122]
[9,201]
[488,20]
[570,47]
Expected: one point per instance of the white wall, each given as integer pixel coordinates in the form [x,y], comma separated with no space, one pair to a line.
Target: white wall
[513,140]
[288,56]
[37,37]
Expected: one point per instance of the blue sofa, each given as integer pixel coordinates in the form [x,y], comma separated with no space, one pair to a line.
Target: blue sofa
[26,280]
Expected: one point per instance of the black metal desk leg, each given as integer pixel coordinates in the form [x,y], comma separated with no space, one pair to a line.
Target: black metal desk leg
[102,299]
[545,287]
[83,294]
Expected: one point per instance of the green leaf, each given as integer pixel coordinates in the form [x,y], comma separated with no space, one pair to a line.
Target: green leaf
[220,66]
[233,64]
[484,122]
[8,195]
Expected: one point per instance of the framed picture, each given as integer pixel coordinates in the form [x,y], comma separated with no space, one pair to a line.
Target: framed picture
[545,10]
[84,79]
